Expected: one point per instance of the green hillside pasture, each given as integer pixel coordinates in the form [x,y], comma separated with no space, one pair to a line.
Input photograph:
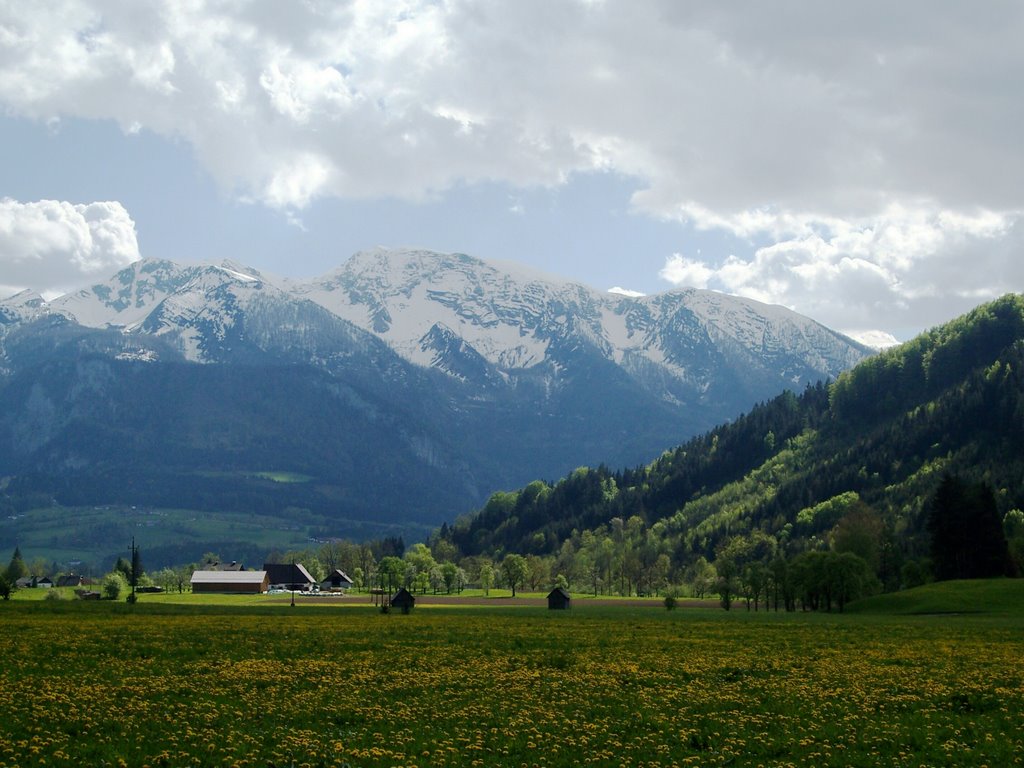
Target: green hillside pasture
[995,596]
[168,685]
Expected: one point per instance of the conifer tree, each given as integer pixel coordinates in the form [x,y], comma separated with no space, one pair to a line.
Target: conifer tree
[967,539]
[16,569]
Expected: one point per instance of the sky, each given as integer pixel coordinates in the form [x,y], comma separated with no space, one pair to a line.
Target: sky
[859,163]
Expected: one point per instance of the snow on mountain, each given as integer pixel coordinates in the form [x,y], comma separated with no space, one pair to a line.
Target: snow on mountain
[128,297]
[512,318]
[477,321]
[402,295]
[22,307]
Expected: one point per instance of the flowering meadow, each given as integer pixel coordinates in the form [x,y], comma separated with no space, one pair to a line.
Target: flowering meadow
[100,684]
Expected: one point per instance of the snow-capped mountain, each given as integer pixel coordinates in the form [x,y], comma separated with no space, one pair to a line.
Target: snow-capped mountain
[458,313]
[404,380]
[484,322]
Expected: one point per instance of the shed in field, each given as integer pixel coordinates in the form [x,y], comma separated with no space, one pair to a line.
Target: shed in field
[559,600]
[252,582]
[403,600]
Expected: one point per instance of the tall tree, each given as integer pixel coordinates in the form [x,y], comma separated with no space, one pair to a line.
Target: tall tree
[16,569]
[486,578]
[514,569]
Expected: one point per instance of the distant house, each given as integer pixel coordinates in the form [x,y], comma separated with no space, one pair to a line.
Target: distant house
[88,594]
[25,582]
[70,580]
[253,582]
[337,581]
[234,565]
[291,576]
[559,600]
[403,600]
[44,583]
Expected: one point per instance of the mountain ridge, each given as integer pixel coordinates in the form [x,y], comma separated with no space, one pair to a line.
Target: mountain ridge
[461,373]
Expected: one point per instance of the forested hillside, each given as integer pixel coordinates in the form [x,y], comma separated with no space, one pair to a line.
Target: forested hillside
[854,465]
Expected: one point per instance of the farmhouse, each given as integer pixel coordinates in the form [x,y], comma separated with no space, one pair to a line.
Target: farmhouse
[292,576]
[337,581]
[230,581]
[45,583]
[559,599]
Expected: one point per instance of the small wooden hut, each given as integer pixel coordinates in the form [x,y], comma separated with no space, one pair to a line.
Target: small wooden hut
[559,600]
[403,600]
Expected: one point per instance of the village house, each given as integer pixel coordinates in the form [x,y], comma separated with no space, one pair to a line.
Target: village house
[291,576]
[336,581]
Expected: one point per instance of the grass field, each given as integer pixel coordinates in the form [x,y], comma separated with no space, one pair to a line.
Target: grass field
[258,684]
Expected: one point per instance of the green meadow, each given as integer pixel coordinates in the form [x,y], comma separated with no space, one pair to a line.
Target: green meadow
[224,681]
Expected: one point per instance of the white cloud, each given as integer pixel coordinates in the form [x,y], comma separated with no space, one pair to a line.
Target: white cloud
[626,292]
[735,117]
[682,271]
[905,266]
[52,246]
[876,158]
[874,339]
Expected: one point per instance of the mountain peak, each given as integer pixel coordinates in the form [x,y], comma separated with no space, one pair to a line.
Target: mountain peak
[27,299]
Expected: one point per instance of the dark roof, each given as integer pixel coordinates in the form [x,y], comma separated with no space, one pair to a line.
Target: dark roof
[403,597]
[559,592]
[337,576]
[288,573]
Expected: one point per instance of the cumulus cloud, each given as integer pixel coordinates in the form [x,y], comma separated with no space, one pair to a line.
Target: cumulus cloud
[913,267]
[626,292]
[870,143]
[51,246]
[721,110]
[682,271]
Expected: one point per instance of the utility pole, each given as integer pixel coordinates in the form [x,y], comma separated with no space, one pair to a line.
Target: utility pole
[293,585]
[135,574]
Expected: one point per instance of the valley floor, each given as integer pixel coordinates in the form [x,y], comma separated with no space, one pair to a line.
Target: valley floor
[268,685]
